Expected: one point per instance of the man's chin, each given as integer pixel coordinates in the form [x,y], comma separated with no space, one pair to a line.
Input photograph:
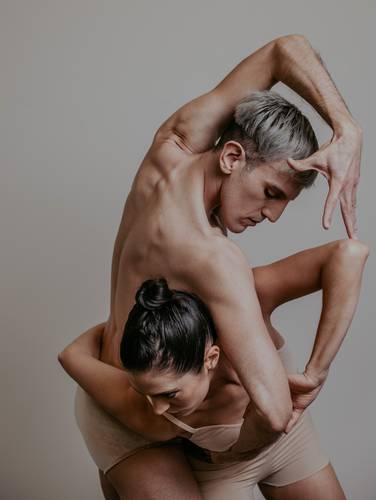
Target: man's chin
[237,229]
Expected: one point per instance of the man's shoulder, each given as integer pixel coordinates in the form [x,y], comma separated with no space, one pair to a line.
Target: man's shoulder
[166,150]
[217,260]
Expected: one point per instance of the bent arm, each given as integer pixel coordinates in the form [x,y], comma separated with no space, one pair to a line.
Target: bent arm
[110,387]
[105,383]
[289,59]
[337,269]
[225,285]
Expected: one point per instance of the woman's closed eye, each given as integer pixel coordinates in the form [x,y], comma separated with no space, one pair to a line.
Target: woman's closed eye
[170,395]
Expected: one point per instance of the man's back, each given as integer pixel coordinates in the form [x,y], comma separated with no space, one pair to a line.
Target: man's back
[164,230]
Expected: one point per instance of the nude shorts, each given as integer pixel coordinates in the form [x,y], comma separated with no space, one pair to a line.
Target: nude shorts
[293,457]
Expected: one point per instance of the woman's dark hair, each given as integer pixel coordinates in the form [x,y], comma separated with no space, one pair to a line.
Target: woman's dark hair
[166,329]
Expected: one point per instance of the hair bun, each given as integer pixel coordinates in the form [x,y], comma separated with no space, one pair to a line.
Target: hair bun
[153,294]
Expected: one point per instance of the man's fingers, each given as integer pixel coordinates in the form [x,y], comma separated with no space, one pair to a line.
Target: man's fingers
[294,418]
[299,165]
[330,203]
[353,208]
[347,215]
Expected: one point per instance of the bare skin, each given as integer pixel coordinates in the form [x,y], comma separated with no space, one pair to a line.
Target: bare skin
[168,229]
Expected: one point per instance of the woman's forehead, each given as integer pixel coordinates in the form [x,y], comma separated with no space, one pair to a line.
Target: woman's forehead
[155,381]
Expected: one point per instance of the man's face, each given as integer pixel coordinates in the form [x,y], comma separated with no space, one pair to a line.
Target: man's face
[249,196]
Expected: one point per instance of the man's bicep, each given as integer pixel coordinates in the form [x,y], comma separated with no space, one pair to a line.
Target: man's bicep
[231,297]
[197,125]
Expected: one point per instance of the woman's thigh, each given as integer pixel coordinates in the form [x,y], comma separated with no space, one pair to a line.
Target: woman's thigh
[323,485]
[155,474]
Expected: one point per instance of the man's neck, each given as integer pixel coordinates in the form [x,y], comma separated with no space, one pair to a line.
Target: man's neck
[212,181]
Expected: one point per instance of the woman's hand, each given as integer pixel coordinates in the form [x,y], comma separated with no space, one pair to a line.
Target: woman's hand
[339,161]
[304,389]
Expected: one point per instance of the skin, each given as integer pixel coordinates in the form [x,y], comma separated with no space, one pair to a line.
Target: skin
[179,187]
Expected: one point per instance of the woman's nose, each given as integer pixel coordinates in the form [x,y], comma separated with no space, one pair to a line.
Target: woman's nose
[159,406]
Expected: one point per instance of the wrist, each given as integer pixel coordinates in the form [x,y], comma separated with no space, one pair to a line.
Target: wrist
[346,126]
[316,374]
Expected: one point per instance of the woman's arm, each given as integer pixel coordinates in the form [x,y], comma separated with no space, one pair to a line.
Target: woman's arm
[337,268]
[110,387]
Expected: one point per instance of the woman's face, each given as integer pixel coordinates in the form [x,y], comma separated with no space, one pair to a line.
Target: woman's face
[178,394]
[248,197]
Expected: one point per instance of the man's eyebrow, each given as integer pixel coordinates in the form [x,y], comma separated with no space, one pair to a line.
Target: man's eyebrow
[279,191]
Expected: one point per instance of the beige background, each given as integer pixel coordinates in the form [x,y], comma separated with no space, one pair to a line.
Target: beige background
[84,85]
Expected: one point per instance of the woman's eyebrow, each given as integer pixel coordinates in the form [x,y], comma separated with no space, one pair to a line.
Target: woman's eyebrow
[166,393]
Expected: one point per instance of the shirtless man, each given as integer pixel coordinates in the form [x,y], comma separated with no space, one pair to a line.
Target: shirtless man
[185,186]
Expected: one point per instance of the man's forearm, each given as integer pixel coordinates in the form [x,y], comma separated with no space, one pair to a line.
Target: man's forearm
[254,434]
[298,66]
[341,281]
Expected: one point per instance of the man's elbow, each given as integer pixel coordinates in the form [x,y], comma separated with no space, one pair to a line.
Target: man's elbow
[277,419]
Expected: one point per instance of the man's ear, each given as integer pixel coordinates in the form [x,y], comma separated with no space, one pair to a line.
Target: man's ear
[211,357]
[232,157]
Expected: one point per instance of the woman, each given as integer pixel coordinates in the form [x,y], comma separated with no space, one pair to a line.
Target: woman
[174,367]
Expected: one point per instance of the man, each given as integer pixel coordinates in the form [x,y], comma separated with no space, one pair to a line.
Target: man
[184,182]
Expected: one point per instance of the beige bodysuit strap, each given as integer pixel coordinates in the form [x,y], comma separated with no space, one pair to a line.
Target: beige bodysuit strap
[179,423]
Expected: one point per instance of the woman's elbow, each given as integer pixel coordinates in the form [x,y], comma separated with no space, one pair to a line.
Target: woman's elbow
[63,358]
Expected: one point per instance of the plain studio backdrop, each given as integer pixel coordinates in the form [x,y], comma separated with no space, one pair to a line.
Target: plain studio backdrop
[84,86]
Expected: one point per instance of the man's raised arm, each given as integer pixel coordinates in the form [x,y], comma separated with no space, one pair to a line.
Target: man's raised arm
[290,59]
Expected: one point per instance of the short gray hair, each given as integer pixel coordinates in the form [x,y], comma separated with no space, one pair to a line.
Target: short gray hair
[270,128]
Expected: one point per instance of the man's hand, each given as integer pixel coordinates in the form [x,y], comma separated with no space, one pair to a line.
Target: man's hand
[304,389]
[339,161]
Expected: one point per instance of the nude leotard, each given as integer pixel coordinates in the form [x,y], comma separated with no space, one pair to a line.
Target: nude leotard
[210,437]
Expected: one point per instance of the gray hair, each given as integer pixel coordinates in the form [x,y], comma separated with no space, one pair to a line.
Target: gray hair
[270,128]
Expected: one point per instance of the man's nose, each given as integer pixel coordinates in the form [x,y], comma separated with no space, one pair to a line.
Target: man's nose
[159,406]
[274,212]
